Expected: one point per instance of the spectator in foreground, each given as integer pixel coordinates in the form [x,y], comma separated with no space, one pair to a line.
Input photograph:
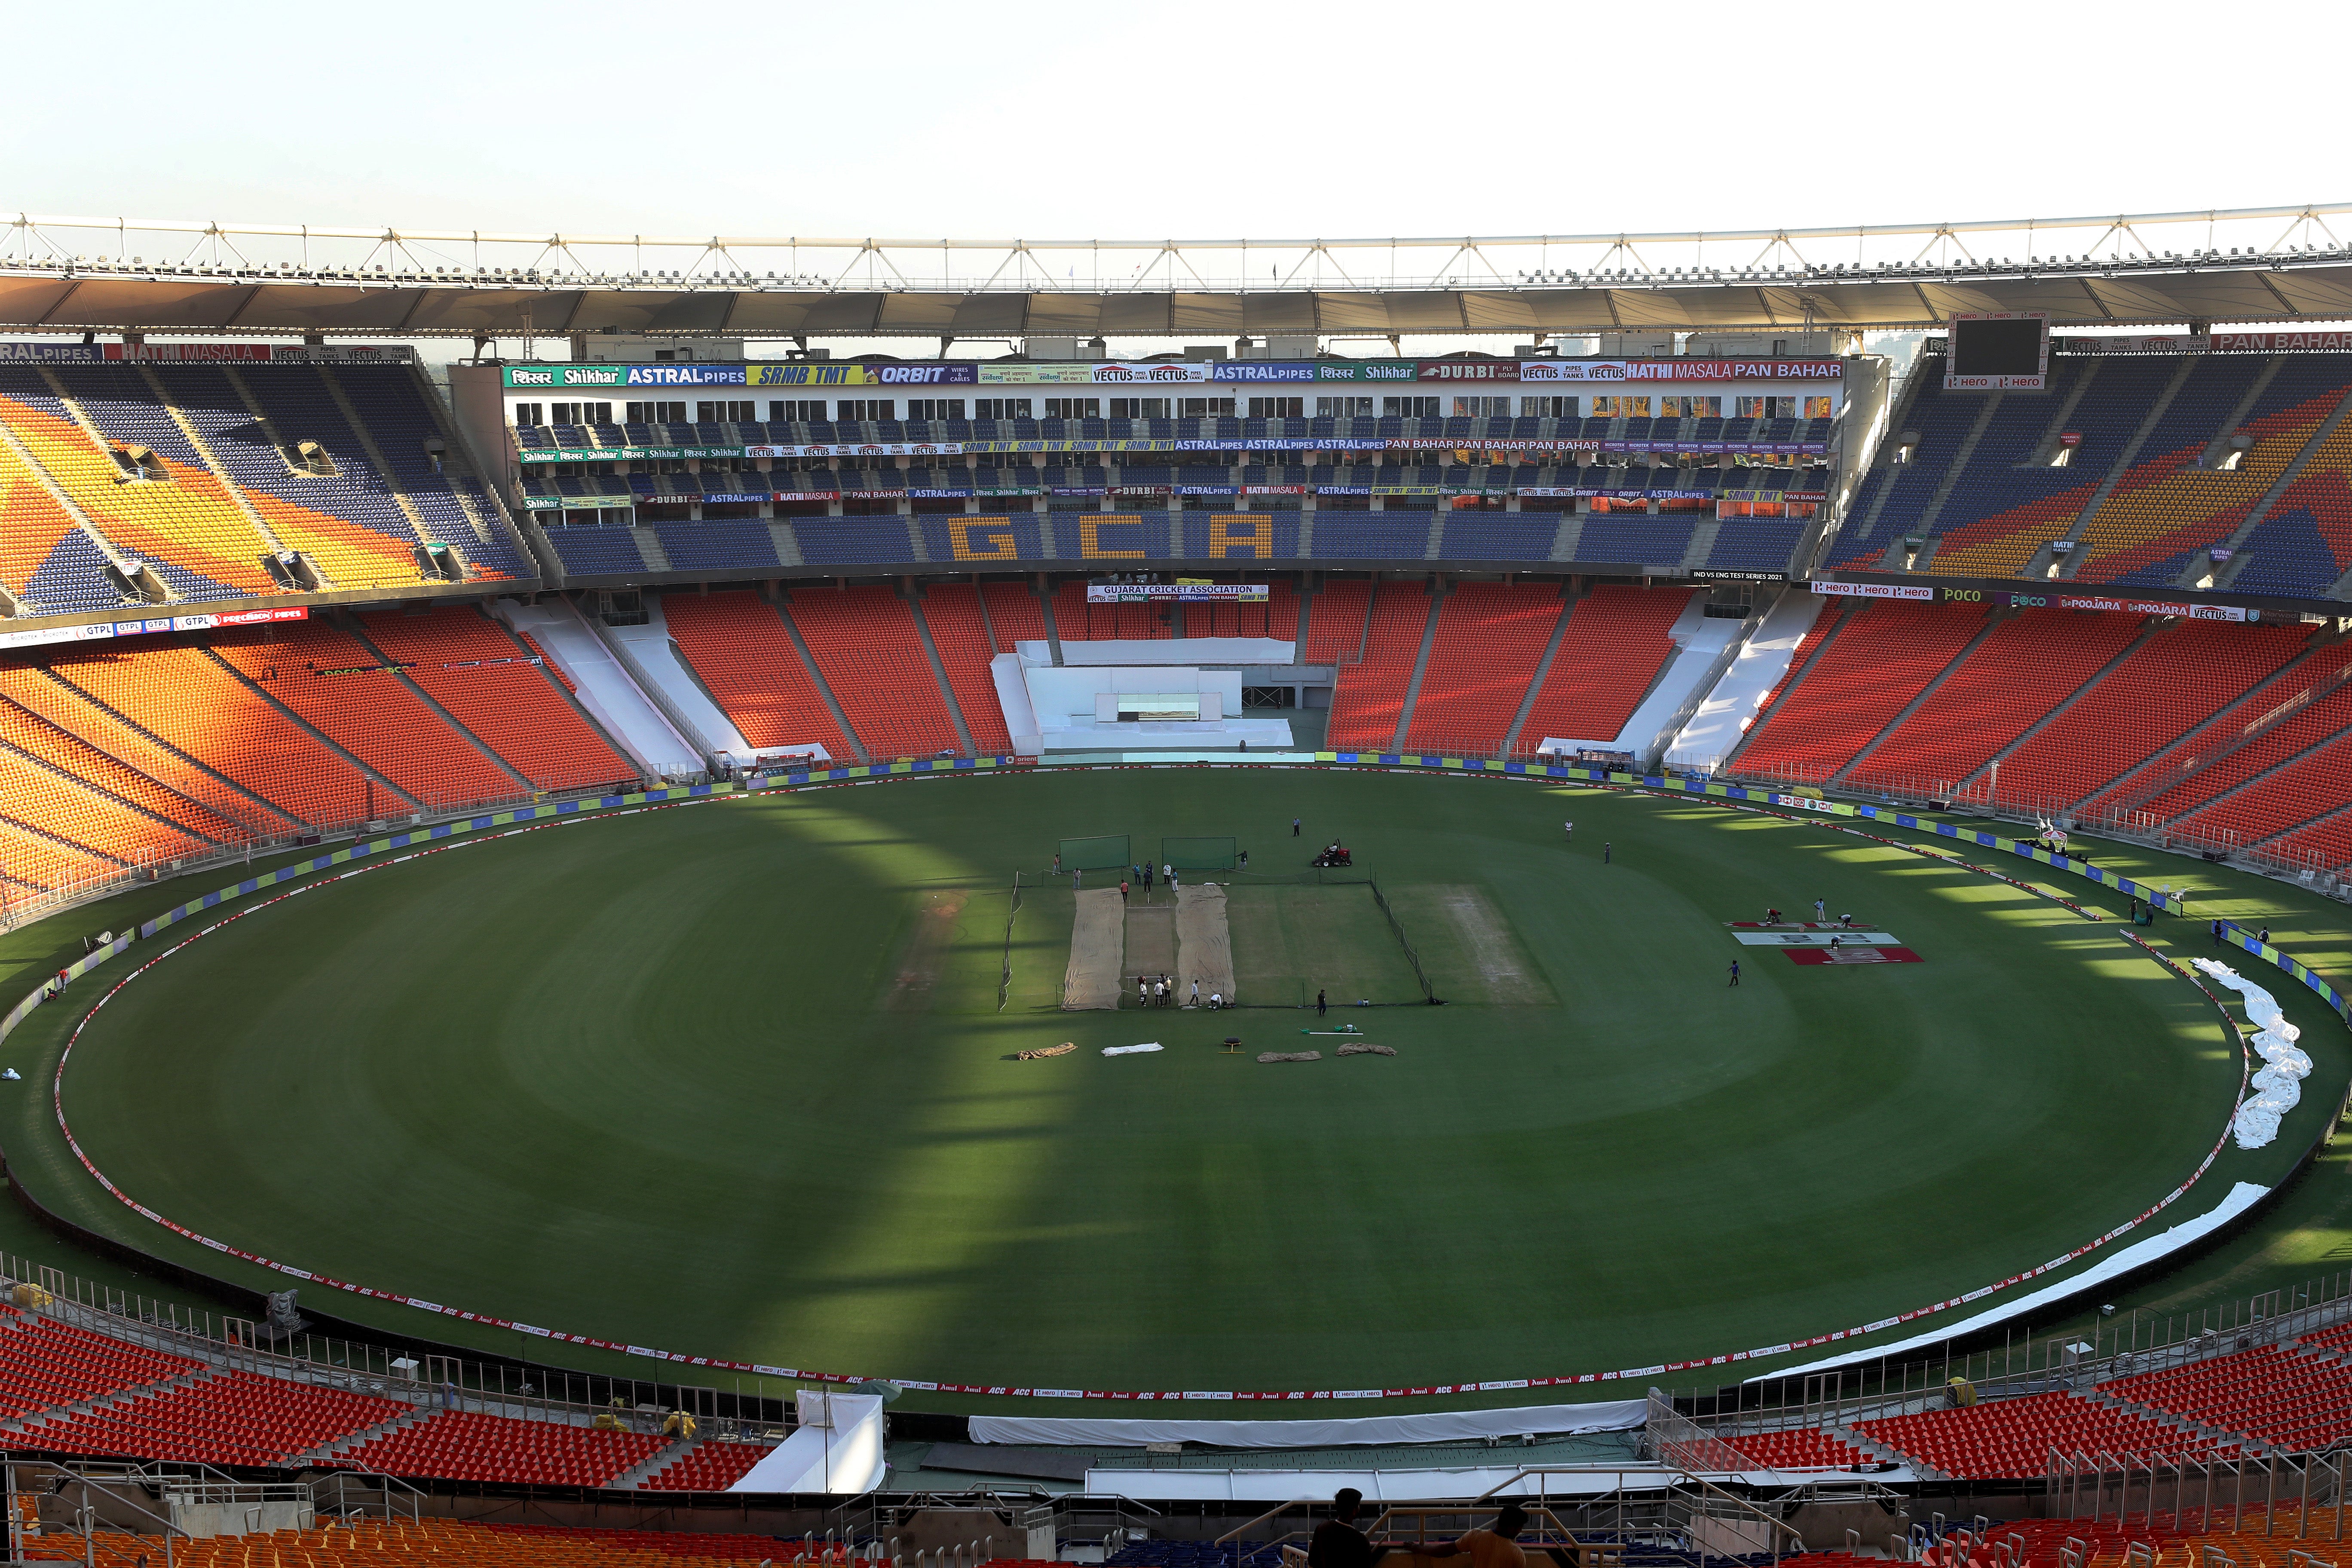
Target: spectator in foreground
[1496,1548]
[1336,1542]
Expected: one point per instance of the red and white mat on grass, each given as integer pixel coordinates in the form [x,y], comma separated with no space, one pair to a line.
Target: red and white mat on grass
[1855,955]
[1770,936]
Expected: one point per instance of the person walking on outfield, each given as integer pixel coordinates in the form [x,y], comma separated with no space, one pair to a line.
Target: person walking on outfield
[1142,993]
[1294,827]
[2217,933]
[1122,892]
[1196,993]
[1735,968]
[1605,852]
[1822,911]
[1245,865]
[1321,1006]
[1172,883]
[1568,831]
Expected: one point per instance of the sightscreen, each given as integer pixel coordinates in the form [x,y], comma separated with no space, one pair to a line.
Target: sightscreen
[1998,351]
[1198,854]
[1099,853]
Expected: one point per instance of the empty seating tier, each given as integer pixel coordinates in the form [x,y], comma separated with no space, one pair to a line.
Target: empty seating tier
[341,689]
[952,610]
[228,1418]
[1013,615]
[1368,699]
[483,677]
[865,642]
[1334,621]
[461,1445]
[2177,678]
[707,1466]
[2025,667]
[44,1363]
[173,513]
[1490,637]
[194,702]
[1883,656]
[1612,651]
[345,519]
[2291,1399]
[738,644]
[2014,1436]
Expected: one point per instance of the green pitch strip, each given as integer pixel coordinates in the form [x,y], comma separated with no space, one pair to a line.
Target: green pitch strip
[731,1078]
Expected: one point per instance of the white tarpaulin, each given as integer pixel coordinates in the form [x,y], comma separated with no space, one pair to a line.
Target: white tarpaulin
[2278,1087]
[843,1460]
[2241,1197]
[1437,1426]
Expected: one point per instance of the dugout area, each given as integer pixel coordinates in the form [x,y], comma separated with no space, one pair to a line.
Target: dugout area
[740,1080]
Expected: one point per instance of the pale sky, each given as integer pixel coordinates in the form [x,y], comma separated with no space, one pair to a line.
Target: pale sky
[1044,119]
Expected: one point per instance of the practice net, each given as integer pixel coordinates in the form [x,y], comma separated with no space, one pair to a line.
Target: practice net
[1198,854]
[1095,854]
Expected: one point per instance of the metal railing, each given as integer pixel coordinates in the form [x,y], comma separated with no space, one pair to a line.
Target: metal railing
[2274,1496]
[2137,1342]
[1983,797]
[420,1376]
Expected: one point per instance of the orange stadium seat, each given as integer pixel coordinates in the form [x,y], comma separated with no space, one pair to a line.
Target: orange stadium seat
[736,643]
[864,641]
[952,610]
[468,664]
[1334,621]
[337,687]
[2025,666]
[1882,657]
[1490,637]
[1612,650]
[1369,700]
[197,703]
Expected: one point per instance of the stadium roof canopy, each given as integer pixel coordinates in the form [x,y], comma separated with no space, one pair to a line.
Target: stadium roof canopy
[80,274]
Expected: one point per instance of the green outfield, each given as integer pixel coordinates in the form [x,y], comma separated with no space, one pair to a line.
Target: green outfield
[732,1079]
